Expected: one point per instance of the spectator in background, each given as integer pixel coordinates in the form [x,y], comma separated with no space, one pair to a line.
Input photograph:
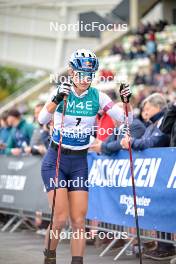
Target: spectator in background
[40,138]
[20,135]
[140,78]
[168,125]
[4,132]
[172,57]
[117,49]
[166,60]
[141,29]
[112,144]
[154,106]
[155,64]
[143,116]
[161,25]
[151,46]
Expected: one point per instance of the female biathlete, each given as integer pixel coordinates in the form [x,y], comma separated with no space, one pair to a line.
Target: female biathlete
[83,103]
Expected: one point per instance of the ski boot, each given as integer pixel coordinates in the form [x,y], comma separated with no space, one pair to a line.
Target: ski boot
[50,256]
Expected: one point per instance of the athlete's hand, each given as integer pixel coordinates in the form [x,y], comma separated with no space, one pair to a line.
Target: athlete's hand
[125,92]
[63,89]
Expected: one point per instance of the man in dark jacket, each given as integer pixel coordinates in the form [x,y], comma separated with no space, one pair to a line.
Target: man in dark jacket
[112,144]
[168,125]
[154,107]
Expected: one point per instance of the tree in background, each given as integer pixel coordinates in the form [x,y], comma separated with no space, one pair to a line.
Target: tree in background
[11,80]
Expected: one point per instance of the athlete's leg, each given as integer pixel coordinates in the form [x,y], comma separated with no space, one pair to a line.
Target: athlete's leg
[78,204]
[61,203]
[60,215]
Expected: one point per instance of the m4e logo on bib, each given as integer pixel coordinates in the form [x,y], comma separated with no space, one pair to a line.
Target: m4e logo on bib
[80,108]
[81,105]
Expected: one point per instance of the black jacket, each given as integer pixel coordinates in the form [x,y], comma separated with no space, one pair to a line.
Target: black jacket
[153,136]
[168,125]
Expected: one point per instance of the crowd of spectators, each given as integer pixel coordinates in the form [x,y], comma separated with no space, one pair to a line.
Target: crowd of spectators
[145,45]
[155,122]
[154,126]
[17,136]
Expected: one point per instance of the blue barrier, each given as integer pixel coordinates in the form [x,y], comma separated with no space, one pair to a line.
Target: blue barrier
[155,178]
[21,188]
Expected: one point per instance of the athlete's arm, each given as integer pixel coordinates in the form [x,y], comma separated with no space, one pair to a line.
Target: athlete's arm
[47,111]
[56,97]
[112,109]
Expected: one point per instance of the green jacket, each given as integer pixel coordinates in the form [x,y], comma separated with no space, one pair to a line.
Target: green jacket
[20,136]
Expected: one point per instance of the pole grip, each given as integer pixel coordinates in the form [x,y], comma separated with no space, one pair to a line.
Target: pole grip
[126,110]
[65,97]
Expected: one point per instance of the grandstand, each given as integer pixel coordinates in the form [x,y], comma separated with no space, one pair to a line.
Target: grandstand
[34,42]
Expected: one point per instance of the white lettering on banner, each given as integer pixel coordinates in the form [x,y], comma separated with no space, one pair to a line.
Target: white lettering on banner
[109,172]
[8,198]
[172,179]
[15,165]
[131,211]
[143,171]
[12,182]
[129,202]
[115,168]
[124,181]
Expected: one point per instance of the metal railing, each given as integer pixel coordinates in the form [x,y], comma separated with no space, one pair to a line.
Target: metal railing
[145,235]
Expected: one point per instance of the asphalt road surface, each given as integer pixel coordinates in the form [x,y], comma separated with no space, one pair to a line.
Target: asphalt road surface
[25,247]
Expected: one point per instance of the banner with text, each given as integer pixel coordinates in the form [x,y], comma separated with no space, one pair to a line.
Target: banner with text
[21,186]
[111,197]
